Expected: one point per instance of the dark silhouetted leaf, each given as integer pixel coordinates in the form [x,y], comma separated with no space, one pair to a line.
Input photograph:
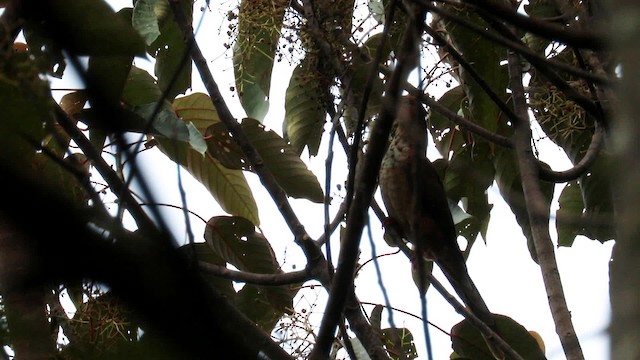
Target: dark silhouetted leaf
[468,342]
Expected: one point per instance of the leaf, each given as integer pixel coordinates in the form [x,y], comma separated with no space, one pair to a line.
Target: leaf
[23,110]
[360,73]
[468,342]
[237,242]
[173,66]
[510,186]
[569,216]
[228,187]
[259,23]
[399,343]
[305,102]
[469,174]
[596,191]
[203,252]
[145,20]
[108,75]
[87,27]
[141,88]
[142,94]
[485,57]
[446,135]
[290,172]
[198,109]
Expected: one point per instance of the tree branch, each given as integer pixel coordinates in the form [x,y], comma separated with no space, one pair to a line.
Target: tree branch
[255,278]
[539,216]
[589,39]
[343,280]
[517,45]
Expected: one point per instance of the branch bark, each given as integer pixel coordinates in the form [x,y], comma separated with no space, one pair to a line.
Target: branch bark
[539,216]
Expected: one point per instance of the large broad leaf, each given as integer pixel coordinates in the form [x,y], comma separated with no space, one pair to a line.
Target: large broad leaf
[143,96]
[446,135]
[259,23]
[198,109]
[203,252]
[173,65]
[305,102]
[25,103]
[485,57]
[145,19]
[228,187]
[86,27]
[569,216]
[360,72]
[469,174]
[235,240]
[468,343]
[291,173]
[510,186]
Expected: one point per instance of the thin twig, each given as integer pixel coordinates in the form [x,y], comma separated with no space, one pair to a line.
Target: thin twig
[289,278]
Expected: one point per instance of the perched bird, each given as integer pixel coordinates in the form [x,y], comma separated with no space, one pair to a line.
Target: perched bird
[417,204]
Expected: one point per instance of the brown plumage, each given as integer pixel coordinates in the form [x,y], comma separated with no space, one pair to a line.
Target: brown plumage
[424,205]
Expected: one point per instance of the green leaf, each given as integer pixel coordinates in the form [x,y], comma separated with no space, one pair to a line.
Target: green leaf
[569,216]
[145,20]
[485,57]
[198,109]
[203,252]
[399,343]
[109,75]
[510,186]
[237,242]
[305,113]
[172,68]
[596,191]
[290,172]
[141,88]
[24,110]
[360,73]
[468,176]
[446,135]
[87,27]
[259,23]
[468,342]
[228,187]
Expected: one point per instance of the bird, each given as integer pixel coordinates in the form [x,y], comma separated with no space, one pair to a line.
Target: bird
[417,205]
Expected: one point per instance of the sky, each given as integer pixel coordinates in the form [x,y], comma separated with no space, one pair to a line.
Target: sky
[501,267]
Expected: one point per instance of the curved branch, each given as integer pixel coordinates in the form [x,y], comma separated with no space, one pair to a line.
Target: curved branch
[579,169]
[255,278]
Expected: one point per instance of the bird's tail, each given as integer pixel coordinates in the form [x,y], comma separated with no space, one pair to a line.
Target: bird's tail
[456,272]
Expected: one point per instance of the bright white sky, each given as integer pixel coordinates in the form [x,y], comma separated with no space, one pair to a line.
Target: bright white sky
[502,269]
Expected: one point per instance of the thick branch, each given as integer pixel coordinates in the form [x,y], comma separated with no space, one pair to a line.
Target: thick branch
[539,216]
[517,45]
[581,38]
[343,279]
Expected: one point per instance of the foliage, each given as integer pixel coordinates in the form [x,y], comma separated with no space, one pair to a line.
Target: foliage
[335,73]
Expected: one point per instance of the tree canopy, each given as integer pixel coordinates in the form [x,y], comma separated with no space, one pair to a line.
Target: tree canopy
[80,226]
